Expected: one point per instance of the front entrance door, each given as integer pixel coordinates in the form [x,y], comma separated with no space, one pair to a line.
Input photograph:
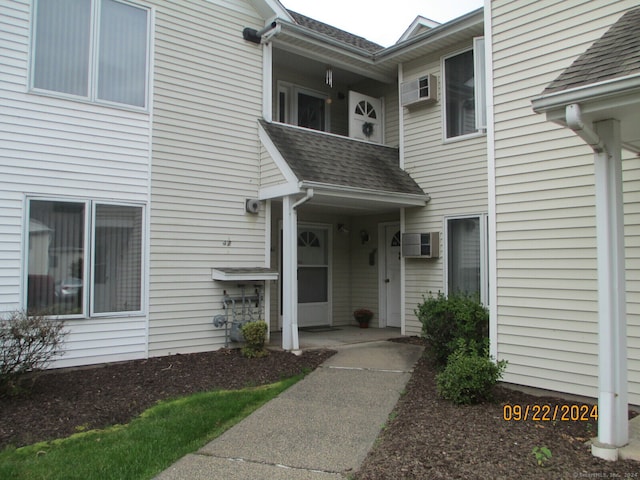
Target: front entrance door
[313,275]
[392,274]
[365,117]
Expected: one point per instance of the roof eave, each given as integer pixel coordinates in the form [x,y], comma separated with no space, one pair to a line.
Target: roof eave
[586,93]
[465,22]
[304,41]
[357,193]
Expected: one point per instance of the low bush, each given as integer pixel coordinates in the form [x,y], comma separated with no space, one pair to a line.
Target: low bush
[255,336]
[28,342]
[445,320]
[469,376]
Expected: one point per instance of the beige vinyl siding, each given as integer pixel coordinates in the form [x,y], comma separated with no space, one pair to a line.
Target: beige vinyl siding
[545,205]
[270,174]
[60,148]
[452,172]
[365,277]
[206,162]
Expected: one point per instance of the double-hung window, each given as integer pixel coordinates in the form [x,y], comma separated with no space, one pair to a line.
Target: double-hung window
[97,50]
[464,92]
[84,257]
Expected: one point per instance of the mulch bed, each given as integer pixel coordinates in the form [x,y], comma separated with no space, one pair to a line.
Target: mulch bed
[431,438]
[427,437]
[66,401]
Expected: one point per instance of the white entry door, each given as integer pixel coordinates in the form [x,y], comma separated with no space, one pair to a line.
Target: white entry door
[313,275]
[392,274]
[365,117]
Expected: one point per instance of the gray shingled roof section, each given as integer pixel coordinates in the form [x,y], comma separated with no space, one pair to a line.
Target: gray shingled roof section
[341,161]
[615,54]
[335,33]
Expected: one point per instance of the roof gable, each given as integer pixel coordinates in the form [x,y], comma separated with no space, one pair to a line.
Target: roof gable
[419,25]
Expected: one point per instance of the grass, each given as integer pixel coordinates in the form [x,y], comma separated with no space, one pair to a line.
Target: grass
[144,447]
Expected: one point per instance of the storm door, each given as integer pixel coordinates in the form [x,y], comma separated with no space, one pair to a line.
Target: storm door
[313,275]
[392,274]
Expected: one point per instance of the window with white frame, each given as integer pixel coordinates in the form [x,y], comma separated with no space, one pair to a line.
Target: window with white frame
[464,91]
[94,49]
[84,257]
[466,257]
[302,107]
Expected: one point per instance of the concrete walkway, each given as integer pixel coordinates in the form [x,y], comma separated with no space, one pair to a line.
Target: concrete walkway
[320,428]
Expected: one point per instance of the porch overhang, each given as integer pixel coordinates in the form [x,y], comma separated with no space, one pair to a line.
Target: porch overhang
[364,200]
[342,172]
[617,98]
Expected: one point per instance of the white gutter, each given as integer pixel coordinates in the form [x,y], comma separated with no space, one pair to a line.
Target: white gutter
[614,86]
[404,199]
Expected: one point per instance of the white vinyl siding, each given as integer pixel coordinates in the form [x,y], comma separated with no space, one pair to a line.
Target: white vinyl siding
[206,163]
[59,148]
[453,173]
[545,205]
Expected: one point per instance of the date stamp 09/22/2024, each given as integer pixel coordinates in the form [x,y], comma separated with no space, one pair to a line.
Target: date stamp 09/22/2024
[550,413]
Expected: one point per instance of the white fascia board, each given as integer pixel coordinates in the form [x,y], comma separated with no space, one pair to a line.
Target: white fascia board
[271,8]
[350,59]
[586,93]
[419,21]
[279,191]
[421,40]
[339,191]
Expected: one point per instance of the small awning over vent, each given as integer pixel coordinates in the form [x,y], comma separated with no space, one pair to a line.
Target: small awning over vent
[242,274]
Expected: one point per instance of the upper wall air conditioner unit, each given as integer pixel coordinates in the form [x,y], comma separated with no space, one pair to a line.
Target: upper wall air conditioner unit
[422,90]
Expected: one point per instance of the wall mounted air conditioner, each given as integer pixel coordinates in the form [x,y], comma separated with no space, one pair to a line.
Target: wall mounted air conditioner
[422,90]
[421,245]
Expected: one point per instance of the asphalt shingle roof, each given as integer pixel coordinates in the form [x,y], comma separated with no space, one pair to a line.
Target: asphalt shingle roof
[335,33]
[615,54]
[333,160]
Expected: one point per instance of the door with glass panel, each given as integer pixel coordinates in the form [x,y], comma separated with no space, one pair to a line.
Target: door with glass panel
[313,276]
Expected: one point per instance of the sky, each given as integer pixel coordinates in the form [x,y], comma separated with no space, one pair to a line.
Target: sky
[383,25]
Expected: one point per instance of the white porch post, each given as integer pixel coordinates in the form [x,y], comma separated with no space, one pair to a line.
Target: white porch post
[289,274]
[613,424]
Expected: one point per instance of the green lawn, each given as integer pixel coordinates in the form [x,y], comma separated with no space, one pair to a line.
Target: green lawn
[143,448]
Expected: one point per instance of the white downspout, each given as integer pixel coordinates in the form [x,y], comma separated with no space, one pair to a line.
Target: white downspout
[290,270]
[573,116]
[613,424]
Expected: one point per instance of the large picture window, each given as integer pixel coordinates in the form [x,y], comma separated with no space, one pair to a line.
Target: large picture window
[464,92]
[84,255]
[96,49]
[466,256]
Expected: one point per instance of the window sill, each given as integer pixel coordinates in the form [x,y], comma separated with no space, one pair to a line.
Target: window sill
[88,101]
[469,136]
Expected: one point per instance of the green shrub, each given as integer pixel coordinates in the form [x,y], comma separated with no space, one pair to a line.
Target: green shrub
[469,377]
[445,320]
[28,342]
[255,336]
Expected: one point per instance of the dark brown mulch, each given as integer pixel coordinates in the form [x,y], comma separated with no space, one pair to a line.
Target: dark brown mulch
[66,401]
[427,437]
[431,438]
